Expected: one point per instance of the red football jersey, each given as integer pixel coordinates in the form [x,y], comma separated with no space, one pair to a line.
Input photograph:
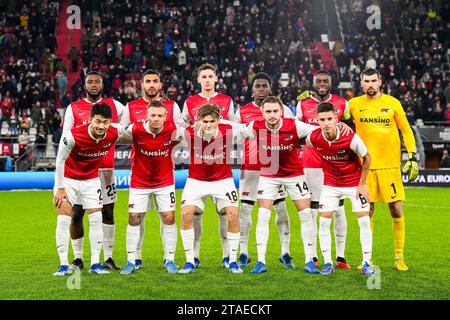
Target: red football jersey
[246,114]
[306,112]
[137,110]
[152,165]
[87,155]
[341,164]
[278,149]
[194,102]
[210,161]
[78,114]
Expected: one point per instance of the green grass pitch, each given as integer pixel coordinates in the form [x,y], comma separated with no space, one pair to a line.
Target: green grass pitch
[28,257]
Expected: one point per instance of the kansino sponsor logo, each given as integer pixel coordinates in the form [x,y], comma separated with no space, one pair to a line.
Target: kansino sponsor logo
[93,155]
[336,158]
[375,120]
[278,148]
[210,156]
[156,153]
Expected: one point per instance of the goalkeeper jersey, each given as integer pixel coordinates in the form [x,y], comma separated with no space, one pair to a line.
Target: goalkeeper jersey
[378,122]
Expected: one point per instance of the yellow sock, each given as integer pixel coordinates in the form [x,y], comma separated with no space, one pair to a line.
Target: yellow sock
[371,225]
[398,230]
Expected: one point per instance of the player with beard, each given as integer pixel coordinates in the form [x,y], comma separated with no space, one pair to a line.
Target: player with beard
[281,166]
[135,112]
[378,118]
[250,172]
[77,114]
[312,162]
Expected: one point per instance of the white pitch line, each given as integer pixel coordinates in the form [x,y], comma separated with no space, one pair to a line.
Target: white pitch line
[422,206]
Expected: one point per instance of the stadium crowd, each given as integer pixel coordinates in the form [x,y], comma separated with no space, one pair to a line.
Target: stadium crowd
[410,50]
[240,37]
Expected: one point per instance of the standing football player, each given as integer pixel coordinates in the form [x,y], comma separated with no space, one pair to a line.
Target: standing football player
[378,118]
[344,177]
[135,112]
[77,182]
[312,163]
[152,175]
[250,172]
[207,78]
[210,174]
[281,165]
[77,114]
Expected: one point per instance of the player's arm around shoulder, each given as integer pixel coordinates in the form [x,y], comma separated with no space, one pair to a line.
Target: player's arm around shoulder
[185,119]
[237,129]
[177,115]
[304,129]
[125,118]
[69,120]
[308,141]
[179,134]
[245,131]
[66,145]
[125,133]
[120,108]
[347,116]
[298,111]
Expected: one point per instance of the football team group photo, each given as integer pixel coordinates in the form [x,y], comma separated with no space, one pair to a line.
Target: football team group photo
[231,150]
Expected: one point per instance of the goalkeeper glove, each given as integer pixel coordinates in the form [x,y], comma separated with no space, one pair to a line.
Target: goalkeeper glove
[304,95]
[411,167]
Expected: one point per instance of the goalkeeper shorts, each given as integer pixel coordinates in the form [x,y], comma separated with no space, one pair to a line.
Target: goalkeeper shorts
[385,185]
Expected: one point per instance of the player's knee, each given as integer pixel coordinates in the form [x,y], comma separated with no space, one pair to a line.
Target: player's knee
[232,215]
[134,219]
[186,217]
[108,213]
[372,209]
[396,209]
[168,218]
[77,216]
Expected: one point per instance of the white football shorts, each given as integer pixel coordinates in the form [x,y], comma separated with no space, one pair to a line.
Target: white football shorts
[330,196]
[108,183]
[296,187]
[223,193]
[248,186]
[87,193]
[140,199]
[314,178]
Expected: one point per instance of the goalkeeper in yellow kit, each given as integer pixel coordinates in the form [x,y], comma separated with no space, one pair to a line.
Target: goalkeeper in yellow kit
[378,118]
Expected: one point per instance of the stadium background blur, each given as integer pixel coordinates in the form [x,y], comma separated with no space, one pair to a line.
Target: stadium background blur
[43,64]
